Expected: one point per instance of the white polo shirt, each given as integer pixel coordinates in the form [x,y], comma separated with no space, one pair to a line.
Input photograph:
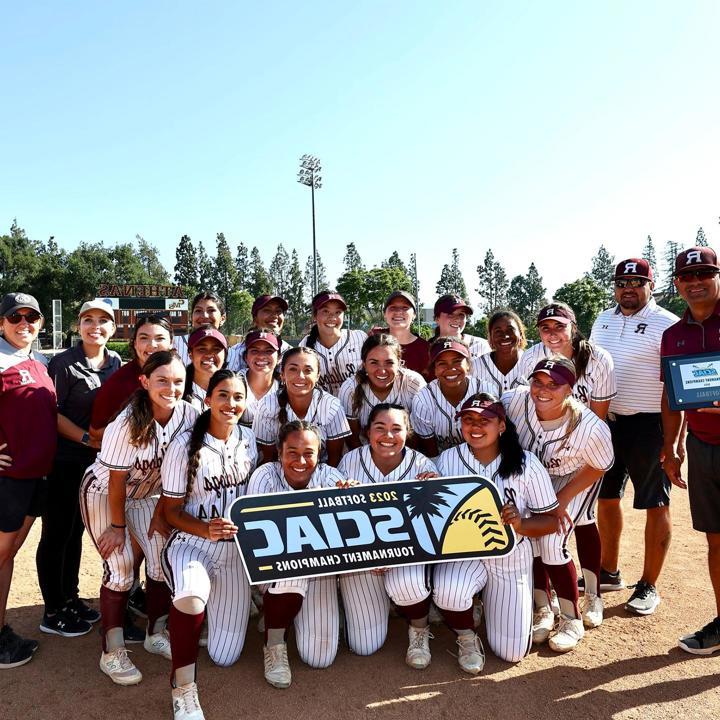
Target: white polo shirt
[634,343]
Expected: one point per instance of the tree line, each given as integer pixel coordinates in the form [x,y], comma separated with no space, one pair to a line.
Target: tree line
[49,272]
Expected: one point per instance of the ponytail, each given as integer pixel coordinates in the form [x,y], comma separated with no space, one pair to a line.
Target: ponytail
[313,336]
[361,379]
[282,396]
[512,455]
[202,425]
[189,380]
[582,351]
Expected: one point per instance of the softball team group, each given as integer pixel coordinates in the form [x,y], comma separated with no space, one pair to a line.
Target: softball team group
[150,456]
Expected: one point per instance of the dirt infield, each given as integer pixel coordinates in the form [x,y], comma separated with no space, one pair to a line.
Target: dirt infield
[630,667]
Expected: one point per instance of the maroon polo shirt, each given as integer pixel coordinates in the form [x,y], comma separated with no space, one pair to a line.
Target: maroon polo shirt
[114,394]
[416,355]
[686,337]
[28,418]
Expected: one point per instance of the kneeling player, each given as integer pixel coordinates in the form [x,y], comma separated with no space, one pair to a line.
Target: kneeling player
[310,602]
[204,471]
[365,594]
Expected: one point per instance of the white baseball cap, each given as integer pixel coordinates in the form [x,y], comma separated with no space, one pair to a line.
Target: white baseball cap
[97,304]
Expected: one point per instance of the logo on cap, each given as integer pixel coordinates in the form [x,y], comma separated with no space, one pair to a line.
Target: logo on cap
[549,364]
[21,298]
[448,344]
[694,256]
[630,267]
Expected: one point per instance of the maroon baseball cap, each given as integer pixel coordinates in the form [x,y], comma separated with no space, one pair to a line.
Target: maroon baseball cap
[327,296]
[696,258]
[204,332]
[266,336]
[554,311]
[263,300]
[400,294]
[449,304]
[560,369]
[634,267]
[445,344]
[483,407]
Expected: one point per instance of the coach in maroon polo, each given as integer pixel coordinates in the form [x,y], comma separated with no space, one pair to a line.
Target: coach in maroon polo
[697,279]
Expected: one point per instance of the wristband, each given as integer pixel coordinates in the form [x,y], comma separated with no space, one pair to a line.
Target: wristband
[85,440]
[118,527]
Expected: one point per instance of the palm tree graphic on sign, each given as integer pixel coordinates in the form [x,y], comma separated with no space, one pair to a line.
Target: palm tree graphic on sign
[424,502]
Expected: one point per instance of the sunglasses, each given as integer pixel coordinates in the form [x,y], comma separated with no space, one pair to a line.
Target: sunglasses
[630,283]
[697,275]
[30,318]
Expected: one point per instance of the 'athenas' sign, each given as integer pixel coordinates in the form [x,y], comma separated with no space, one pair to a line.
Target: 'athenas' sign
[330,531]
[141,291]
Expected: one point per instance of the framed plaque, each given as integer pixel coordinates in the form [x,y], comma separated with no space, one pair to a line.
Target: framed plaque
[692,381]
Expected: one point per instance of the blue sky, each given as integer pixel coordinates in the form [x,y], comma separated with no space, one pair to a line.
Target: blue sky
[537,129]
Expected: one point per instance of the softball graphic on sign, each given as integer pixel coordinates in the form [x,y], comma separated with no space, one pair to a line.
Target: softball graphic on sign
[327,531]
[448,522]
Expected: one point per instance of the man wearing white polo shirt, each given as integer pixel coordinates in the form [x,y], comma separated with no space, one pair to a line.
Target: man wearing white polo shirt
[631,332]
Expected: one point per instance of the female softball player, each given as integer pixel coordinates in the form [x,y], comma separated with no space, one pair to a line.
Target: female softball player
[299,398]
[118,496]
[268,313]
[381,378]
[261,358]
[451,313]
[500,368]
[595,387]
[203,472]
[28,438]
[575,447]
[435,408]
[338,349]
[492,450]
[365,595]
[208,351]
[206,308]
[78,374]
[399,313]
[311,603]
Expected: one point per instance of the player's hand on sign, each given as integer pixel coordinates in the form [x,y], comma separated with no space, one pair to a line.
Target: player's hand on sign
[221,529]
[350,483]
[511,516]
[110,540]
[671,466]
[5,460]
[427,475]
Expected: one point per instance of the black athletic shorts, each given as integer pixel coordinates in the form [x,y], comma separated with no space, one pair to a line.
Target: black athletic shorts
[18,499]
[637,442]
[704,484]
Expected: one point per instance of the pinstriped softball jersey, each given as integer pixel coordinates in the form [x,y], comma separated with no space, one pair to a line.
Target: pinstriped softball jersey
[563,451]
[598,382]
[405,388]
[197,399]
[253,401]
[365,594]
[198,567]
[325,411]
[340,361]
[317,625]
[141,463]
[506,583]
[487,372]
[434,416]
[478,346]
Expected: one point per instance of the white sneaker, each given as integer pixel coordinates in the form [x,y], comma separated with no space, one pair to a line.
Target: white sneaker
[471,656]
[119,668]
[277,667]
[186,704]
[158,644]
[418,652]
[569,633]
[592,611]
[543,624]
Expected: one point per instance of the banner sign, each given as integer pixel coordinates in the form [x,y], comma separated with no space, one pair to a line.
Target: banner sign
[329,531]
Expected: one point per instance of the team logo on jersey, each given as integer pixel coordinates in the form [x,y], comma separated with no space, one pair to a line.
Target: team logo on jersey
[330,531]
[25,377]
[641,328]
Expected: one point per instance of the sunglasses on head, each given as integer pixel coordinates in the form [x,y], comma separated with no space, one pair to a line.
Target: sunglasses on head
[697,275]
[32,317]
[630,282]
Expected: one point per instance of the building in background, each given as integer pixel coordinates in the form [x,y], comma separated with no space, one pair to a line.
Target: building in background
[131,301]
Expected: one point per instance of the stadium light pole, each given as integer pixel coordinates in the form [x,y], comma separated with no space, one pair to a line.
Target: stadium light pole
[309,174]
